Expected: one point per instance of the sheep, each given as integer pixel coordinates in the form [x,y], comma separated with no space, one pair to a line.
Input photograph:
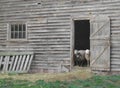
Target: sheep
[79,57]
[76,57]
[87,56]
[82,57]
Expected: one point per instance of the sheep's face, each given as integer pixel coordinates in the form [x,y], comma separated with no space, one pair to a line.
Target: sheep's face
[75,52]
[87,51]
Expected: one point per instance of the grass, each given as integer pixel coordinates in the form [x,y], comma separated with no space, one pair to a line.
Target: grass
[93,82]
[75,79]
[78,73]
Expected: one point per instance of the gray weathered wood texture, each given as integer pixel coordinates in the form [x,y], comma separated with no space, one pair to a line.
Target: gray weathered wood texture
[49,29]
[100,43]
[15,62]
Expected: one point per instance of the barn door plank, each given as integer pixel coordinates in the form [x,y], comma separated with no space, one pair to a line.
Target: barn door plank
[100,43]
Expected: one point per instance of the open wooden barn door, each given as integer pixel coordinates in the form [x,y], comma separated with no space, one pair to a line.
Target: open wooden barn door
[100,43]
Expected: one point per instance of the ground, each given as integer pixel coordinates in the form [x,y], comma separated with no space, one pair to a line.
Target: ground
[78,78]
[76,73]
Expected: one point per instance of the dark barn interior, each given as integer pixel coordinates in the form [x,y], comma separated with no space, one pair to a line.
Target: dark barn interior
[82,33]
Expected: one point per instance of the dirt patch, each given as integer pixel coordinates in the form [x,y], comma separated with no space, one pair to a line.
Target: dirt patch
[76,73]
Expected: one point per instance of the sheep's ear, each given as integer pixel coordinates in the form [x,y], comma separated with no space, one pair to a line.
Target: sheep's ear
[100,42]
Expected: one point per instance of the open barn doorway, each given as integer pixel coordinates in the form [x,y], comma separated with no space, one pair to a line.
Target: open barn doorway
[81,41]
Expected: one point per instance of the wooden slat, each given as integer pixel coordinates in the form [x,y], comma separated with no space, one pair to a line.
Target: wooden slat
[15,63]
[14,53]
[29,63]
[22,63]
[6,63]
[26,62]
[12,63]
[19,62]
[1,57]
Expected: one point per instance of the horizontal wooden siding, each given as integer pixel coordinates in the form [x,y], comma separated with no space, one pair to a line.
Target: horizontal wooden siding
[49,28]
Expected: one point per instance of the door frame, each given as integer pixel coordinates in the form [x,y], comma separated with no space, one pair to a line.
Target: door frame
[72,39]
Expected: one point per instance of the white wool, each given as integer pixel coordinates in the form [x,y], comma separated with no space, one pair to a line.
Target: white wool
[87,56]
[81,56]
[87,51]
[75,52]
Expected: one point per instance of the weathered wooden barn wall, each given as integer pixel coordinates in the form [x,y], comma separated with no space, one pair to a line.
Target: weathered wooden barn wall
[49,29]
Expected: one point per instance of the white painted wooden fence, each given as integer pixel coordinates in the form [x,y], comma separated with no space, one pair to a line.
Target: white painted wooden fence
[18,62]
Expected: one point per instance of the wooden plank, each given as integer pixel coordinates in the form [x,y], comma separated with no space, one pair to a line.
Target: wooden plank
[14,53]
[29,63]
[22,63]
[4,63]
[12,63]
[26,62]
[115,69]
[19,62]
[15,63]
[1,57]
[7,63]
